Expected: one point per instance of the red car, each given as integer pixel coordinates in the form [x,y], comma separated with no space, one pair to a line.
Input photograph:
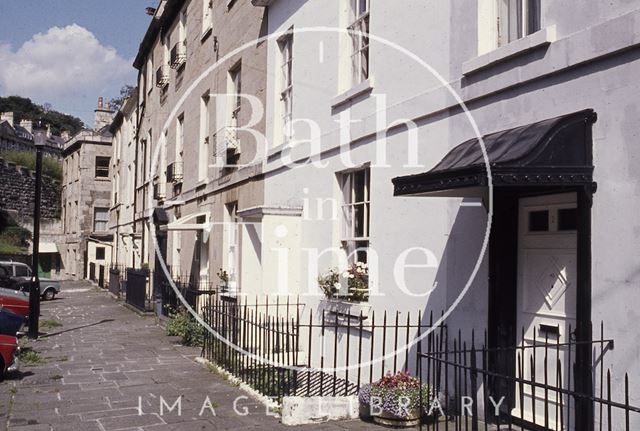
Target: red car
[15,300]
[8,354]
[11,299]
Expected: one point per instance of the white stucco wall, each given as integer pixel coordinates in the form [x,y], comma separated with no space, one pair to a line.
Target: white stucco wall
[592,63]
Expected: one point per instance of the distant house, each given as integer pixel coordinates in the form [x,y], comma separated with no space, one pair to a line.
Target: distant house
[86,199]
[19,137]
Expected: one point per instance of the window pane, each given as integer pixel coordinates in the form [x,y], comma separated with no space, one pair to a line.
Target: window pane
[568,219]
[362,6]
[21,271]
[359,219]
[533,16]
[364,64]
[362,248]
[359,179]
[346,188]
[515,19]
[539,221]
[346,221]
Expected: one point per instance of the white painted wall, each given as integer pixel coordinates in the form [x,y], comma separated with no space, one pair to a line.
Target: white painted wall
[593,64]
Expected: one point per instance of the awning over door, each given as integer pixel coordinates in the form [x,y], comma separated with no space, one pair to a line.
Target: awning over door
[196,221]
[47,247]
[551,152]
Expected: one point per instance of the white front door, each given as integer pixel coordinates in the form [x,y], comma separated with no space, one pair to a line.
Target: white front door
[546,301]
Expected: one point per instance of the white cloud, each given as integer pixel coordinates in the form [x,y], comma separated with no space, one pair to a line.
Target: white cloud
[64,66]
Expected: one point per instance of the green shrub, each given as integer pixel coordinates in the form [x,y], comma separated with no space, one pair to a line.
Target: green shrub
[50,167]
[183,325]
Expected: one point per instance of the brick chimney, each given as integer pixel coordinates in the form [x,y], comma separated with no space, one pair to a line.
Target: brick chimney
[27,124]
[103,115]
[7,116]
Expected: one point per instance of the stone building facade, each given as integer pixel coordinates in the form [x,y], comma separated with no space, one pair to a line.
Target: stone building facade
[193,163]
[86,199]
[126,240]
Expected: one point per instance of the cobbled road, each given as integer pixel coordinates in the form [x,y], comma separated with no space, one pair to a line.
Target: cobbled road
[108,368]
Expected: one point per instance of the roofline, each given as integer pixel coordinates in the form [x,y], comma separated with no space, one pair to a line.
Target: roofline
[164,15]
[128,106]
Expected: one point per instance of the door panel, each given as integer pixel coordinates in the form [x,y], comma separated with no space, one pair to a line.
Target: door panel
[546,305]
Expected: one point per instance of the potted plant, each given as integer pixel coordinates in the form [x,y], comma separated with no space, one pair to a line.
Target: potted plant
[356,277]
[394,400]
[330,283]
[224,279]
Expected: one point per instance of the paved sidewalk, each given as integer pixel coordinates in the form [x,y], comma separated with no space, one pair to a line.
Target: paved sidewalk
[106,362]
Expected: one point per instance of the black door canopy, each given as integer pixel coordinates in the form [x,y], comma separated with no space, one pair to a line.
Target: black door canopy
[555,152]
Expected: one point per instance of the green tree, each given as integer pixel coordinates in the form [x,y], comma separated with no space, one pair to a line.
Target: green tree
[24,109]
[117,102]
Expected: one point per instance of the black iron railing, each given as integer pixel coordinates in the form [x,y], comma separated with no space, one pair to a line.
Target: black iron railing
[539,393]
[193,289]
[136,288]
[279,349]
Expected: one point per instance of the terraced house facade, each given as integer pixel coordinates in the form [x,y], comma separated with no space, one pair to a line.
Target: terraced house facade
[470,160]
[187,65]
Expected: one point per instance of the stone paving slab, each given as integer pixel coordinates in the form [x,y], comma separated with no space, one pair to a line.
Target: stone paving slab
[106,365]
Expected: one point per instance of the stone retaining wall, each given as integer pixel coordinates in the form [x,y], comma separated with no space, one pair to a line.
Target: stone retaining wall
[17,189]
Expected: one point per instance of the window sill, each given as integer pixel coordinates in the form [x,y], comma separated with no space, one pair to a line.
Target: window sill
[355,91]
[206,33]
[519,47]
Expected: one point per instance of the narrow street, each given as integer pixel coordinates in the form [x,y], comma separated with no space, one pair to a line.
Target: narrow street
[106,362]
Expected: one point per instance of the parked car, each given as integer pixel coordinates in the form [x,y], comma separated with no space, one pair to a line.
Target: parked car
[8,354]
[22,272]
[10,322]
[14,294]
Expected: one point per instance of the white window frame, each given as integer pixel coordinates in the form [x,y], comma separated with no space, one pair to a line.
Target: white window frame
[232,242]
[517,19]
[285,44]
[179,139]
[203,154]
[235,90]
[105,221]
[207,17]
[352,242]
[359,34]
[149,70]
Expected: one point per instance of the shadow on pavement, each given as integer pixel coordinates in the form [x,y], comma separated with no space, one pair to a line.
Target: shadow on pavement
[47,335]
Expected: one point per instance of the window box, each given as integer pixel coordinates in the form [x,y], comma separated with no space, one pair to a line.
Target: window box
[343,312]
[162,76]
[178,55]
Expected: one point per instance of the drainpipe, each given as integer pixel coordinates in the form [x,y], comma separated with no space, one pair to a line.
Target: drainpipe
[583,333]
[140,115]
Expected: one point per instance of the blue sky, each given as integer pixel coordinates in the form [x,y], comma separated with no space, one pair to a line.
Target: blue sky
[69,52]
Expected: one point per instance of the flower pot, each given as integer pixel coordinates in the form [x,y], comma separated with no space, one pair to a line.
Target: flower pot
[364,411]
[389,419]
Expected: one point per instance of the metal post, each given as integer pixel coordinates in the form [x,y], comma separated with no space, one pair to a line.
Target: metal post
[34,294]
[584,406]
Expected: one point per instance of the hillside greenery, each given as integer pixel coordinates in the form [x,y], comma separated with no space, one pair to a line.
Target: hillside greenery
[13,238]
[50,167]
[24,109]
